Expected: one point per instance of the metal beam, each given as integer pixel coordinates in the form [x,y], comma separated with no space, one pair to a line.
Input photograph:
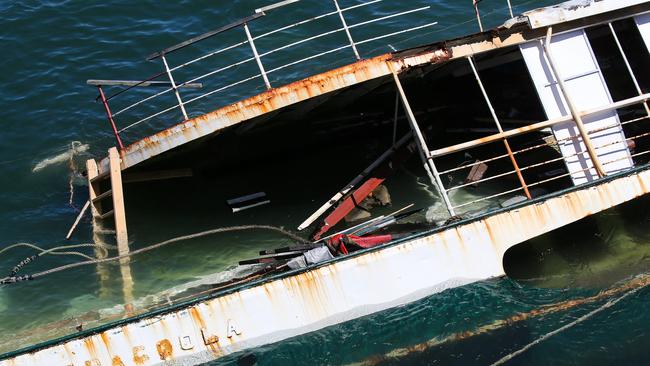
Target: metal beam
[134,83]
[203,36]
[275,6]
[577,118]
[535,126]
[496,121]
[425,153]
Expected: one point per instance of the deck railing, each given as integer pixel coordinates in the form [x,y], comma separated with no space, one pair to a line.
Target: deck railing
[576,117]
[174,86]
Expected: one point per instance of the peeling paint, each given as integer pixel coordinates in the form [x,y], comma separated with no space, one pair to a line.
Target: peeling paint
[165,350]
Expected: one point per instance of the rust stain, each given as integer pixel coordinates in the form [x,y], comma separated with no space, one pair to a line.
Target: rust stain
[106,341]
[139,356]
[165,349]
[488,228]
[117,361]
[196,316]
[642,184]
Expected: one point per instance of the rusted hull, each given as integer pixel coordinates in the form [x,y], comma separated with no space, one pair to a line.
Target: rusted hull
[335,292]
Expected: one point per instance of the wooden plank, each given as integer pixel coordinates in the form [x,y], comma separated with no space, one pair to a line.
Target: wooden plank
[118,201]
[102,196]
[134,83]
[98,178]
[93,173]
[107,214]
[102,271]
[120,227]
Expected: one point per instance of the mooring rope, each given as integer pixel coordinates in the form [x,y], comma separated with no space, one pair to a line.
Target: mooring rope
[628,288]
[73,171]
[54,251]
[548,335]
[14,279]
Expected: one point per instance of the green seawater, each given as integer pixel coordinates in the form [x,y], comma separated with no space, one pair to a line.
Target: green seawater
[52,47]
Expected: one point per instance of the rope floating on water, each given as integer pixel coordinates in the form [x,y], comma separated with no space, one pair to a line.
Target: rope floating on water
[548,335]
[12,279]
[51,251]
[627,289]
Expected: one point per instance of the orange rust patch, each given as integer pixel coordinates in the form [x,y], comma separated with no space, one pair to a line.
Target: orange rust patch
[117,361]
[165,349]
[642,184]
[139,357]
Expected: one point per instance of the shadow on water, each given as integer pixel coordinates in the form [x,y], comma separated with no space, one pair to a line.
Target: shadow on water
[594,252]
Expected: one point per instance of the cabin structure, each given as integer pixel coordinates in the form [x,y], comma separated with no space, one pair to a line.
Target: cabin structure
[544,120]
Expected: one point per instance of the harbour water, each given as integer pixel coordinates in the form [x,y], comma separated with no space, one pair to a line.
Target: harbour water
[52,47]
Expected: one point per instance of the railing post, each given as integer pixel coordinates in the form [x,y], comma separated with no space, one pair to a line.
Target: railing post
[577,118]
[512,15]
[347,30]
[496,121]
[478,15]
[257,56]
[629,67]
[425,153]
[171,80]
[109,115]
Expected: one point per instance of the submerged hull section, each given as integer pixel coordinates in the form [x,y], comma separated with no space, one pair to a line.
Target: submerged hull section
[370,281]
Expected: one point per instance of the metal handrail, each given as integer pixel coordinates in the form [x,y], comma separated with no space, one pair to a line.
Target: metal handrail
[205,36]
[530,148]
[256,56]
[175,86]
[550,161]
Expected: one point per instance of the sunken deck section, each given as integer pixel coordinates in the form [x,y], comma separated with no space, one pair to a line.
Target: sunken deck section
[269,104]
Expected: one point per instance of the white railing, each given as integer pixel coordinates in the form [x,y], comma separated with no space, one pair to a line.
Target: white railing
[257,56]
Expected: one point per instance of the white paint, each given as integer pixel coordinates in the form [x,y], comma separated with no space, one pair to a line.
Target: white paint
[574,9]
[340,291]
[643,22]
[586,85]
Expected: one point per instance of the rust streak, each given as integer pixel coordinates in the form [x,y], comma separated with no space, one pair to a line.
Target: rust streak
[196,316]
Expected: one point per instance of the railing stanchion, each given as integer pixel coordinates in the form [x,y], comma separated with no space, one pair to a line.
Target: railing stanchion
[628,66]
[478,15]
[171,80]
[577,118]
[425,153]
[512,15]
[257,56]
[347,30]
[496,121]
[109,115]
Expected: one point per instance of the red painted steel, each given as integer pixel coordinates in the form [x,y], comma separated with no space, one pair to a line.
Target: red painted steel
[353,200]
[109,115]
